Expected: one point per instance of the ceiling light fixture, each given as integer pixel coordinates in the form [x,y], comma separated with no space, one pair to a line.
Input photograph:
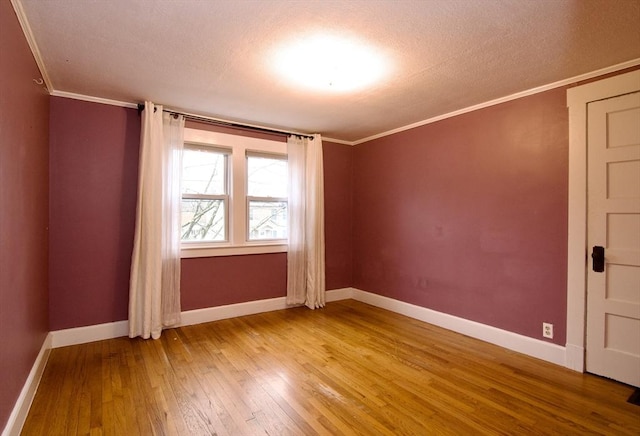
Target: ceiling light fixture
[330,63]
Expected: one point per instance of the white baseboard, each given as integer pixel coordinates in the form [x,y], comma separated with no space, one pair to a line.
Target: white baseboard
[339,294]
[98,332]
[209,314]
[91,333]
[23,404]
[571,356]
[522,344]
[512,341]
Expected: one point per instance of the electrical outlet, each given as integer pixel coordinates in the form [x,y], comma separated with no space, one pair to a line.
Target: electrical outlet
[547,330]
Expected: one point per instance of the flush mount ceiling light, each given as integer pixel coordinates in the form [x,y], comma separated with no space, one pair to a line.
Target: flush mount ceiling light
[330,63]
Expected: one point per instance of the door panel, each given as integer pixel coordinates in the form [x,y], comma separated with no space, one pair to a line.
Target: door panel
[613,220]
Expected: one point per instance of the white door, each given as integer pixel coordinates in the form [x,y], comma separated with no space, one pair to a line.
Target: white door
[613,222]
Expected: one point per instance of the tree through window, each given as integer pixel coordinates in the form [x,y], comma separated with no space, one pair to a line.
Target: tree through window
[205,196]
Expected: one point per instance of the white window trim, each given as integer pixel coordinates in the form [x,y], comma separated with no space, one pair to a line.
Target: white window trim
[262,247]
[224,197]
[250,198]
[238,213]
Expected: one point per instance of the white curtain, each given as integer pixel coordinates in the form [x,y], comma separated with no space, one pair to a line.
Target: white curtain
[306,257]
[154,292]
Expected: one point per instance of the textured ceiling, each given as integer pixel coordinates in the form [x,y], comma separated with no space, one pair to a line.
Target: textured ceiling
[214,57]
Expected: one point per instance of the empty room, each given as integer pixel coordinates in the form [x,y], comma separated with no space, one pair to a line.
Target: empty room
[281,217]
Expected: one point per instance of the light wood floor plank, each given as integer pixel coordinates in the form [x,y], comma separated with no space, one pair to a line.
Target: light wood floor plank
[348,369]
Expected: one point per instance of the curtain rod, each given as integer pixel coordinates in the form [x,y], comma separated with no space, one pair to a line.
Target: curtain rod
[224,123]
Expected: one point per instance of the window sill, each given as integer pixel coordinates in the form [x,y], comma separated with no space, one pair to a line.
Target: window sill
[232,250]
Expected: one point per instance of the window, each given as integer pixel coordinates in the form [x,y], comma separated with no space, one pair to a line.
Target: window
[234,195]
[266,196]
[205,196]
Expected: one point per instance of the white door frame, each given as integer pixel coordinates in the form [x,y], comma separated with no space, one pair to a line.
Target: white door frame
[577,262]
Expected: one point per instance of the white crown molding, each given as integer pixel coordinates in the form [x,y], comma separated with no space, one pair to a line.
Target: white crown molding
[620,84]
[26,28]
[28,34]
[23,404]
[100,100]
[337,141]
[91,99]
[532,91]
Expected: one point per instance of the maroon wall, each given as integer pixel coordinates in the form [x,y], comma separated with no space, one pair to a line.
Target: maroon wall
[468,216]
[94,159]
[216,281]
[24,175]
[94,167]
[338,213]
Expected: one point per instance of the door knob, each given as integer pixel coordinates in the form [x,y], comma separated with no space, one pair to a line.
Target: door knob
[598,258]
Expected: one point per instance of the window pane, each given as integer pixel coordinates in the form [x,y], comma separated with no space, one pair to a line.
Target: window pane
[267,220]
[266,177]
[203,172]
[203,220]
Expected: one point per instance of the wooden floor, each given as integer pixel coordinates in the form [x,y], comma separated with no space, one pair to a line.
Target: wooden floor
[347,369]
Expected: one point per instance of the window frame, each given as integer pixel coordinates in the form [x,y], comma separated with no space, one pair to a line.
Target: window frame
[224,197]
[238,242]
[249,198]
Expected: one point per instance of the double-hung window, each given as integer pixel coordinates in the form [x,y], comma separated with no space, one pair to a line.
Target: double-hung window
[205,193]
[234,195]
[266,196]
